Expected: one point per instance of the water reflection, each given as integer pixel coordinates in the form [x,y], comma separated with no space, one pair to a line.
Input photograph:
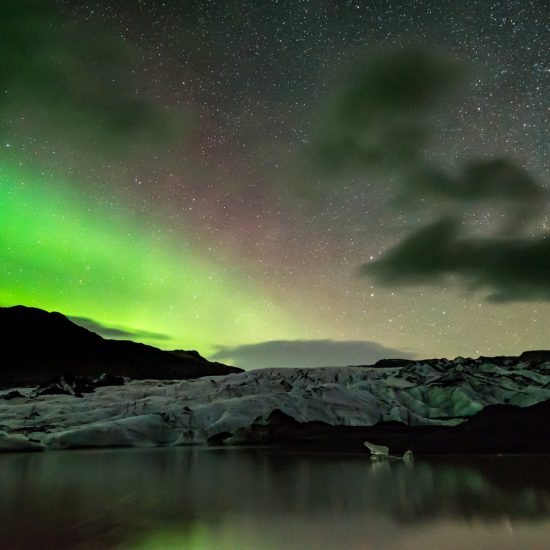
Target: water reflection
[239,498]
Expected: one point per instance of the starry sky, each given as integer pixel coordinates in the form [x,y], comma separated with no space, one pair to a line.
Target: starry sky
[194,174]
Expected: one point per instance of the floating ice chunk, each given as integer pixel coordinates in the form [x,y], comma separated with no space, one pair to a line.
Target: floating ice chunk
[381,452]
[408,457]
[377,450]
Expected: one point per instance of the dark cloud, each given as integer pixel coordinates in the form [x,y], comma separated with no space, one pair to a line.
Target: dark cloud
[72,79]
[384,120]
[487,179]
[117,333]
[510,263]
[307,353]
[494,183]
[508,268]
[385,115]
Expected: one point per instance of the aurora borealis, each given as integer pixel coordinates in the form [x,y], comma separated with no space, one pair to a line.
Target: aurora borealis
[102,264]
[156,173]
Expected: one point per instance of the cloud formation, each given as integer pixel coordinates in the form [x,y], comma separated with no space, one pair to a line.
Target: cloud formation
[384,120]
[116,333]
[489,183]
[73,79]
[385,115]
[496,179]
[306,353]
[509,269]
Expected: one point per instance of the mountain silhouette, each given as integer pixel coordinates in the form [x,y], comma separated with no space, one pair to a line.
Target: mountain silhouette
[37,346]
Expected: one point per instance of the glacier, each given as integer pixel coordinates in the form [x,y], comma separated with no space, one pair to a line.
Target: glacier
[183,412]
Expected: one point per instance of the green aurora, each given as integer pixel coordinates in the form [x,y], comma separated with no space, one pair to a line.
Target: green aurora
[63,252]
[162,174]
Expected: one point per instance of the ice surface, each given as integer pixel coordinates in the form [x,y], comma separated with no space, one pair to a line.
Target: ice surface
[152,412]
[17,442]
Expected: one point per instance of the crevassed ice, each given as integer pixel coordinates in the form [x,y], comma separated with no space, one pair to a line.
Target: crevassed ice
[149,412]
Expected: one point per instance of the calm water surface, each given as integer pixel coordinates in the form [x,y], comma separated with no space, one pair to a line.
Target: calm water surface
[210,498]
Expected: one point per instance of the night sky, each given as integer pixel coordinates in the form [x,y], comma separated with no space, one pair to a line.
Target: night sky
[225,176]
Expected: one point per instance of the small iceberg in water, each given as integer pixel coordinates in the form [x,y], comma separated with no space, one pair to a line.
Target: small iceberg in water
[381,452]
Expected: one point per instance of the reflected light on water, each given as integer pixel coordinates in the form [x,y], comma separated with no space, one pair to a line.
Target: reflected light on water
[208,498]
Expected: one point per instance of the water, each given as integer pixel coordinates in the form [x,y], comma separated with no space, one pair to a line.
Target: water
[213,498]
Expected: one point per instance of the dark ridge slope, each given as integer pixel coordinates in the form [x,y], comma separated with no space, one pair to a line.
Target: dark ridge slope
[37,346]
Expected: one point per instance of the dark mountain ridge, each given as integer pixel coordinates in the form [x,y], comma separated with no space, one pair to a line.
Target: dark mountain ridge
[37,346]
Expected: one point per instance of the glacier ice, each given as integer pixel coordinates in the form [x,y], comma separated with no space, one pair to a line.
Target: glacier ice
[176,412]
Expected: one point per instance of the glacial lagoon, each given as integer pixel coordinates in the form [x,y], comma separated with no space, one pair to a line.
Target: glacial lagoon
[260,498]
